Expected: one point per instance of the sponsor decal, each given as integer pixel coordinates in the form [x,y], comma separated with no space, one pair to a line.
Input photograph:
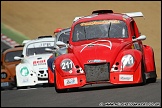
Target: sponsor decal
[125,77]
[24,71]
[99,22]
[96,61]
[25,80]
[4,84]
[39,62]
[41,44]
[70,71]
[45,44]
[70,81]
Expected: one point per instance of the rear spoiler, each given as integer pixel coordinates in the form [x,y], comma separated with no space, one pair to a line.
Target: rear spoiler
[131,14]
[25,41]
[76,18]
[134,14]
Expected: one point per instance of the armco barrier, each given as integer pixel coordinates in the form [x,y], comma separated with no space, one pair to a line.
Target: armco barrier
[8,41]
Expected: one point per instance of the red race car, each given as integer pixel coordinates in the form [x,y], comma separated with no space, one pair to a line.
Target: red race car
[63,36]
[105,47]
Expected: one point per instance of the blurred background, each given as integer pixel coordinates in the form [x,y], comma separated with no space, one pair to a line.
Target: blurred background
[35,18]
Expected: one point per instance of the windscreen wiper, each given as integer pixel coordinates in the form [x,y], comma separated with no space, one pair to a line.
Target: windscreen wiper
[109,30]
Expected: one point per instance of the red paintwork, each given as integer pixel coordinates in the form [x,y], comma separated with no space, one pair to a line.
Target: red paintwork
[119,48]
[50,74]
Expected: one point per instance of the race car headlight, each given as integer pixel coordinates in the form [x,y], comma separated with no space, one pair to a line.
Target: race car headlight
[127,60]
[66,65]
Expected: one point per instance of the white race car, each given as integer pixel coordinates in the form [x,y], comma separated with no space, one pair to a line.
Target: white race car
[33,67]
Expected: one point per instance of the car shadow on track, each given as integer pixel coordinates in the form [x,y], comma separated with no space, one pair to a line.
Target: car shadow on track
[108,86]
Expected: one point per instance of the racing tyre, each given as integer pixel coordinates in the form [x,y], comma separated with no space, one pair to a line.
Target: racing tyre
[55,84]
[151,80]
[74,89]
[24,87]
[51,85]
[143,74]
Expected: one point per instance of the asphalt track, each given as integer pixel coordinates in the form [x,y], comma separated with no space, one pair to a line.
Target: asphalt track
[87,96]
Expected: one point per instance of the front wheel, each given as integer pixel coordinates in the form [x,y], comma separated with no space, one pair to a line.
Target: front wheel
[23,87]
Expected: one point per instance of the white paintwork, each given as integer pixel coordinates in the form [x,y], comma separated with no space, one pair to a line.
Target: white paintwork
[27,72]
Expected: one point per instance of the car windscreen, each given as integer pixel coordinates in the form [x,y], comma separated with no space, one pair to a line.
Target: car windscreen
[64,37]
[39,48]
[100,29]
[9,57]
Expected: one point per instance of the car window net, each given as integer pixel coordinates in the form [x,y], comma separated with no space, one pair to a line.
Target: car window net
[100,29]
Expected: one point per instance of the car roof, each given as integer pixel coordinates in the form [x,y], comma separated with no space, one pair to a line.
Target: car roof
[40,38]
[64,30]
[117,16]
[13,49]
[107,14]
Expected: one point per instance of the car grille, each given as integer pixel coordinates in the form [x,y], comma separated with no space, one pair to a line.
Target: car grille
[42,71]
[42,79]
[42,75]
[97,72]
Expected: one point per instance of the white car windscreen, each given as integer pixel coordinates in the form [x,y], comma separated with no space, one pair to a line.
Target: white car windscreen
[39,47]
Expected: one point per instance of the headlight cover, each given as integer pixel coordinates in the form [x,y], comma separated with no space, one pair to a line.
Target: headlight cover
[127,60]
[3,75]
[66,65]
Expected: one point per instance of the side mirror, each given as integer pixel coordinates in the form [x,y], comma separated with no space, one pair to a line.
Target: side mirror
[49,49]
[57,30]
[17,58]
[60,43]
[142,37]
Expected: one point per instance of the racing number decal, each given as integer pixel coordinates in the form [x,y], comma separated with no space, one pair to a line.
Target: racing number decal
[24,71]
[3,75]
[66,65]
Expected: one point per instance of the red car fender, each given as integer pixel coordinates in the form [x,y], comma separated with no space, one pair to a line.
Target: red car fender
[50,76]
[71,57]
[149,58]
[137,58]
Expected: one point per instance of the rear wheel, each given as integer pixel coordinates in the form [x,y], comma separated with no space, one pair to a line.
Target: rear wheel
[151,80]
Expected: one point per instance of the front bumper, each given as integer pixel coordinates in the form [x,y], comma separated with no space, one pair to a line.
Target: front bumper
[113,78]
[7,85]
